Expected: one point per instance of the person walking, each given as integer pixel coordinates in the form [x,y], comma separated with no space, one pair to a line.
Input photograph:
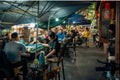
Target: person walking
[94,33]
[86,36]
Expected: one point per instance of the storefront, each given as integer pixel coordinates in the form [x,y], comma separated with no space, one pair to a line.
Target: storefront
[108,12]
[117,49]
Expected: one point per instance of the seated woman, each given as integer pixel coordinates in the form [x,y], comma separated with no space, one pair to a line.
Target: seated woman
[53,45]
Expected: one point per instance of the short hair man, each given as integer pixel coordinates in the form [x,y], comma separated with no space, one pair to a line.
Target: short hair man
[14,50]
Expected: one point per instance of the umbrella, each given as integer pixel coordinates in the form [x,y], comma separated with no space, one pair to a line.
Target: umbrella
[77,19]
[77,16]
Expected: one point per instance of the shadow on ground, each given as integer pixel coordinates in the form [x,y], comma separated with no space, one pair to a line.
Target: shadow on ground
[84,66]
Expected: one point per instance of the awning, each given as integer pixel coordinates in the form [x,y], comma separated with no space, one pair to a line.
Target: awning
[17,12]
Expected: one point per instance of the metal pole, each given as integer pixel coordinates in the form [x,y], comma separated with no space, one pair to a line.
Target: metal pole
[19,8]
[37,32]
[49,23]
[50,19]
[36,39]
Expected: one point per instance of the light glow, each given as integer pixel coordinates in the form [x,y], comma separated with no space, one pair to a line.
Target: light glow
[57,19]
[73,22]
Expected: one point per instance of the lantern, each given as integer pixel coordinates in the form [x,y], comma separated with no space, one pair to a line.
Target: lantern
[97,14]
[107,6]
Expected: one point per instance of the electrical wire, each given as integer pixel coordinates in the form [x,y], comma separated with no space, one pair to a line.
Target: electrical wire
[50,6]
[5,11]
[43,8]
[20,8]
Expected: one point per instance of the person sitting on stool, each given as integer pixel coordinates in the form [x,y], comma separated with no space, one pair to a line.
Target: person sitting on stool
[14,50]
[53,45]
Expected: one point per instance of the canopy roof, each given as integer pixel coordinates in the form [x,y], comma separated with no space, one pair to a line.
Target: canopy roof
[17,12]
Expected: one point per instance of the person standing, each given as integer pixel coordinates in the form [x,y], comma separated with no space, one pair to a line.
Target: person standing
[86,36]
[94,33]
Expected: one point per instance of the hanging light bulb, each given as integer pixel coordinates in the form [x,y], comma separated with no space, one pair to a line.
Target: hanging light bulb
[57,19]
[73,22]
[64,22]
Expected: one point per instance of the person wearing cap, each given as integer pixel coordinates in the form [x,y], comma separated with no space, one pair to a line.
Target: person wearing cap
[53,45]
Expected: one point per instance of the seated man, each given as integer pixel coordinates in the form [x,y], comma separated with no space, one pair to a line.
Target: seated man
[61,35]
[14,50]
[53,45]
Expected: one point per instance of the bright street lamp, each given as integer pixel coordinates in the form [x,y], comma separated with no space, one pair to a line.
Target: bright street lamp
[56,19]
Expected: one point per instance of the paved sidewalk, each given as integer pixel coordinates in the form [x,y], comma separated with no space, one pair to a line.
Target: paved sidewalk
[84,66]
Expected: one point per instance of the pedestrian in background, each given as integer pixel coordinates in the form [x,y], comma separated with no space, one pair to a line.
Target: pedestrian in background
[86,34]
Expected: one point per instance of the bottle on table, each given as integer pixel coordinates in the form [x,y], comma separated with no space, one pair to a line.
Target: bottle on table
[42,58]
[36,62]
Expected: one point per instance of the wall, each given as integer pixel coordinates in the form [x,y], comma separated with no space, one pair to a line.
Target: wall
[117,49]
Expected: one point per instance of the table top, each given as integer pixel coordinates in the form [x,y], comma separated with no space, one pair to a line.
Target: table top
[32,47]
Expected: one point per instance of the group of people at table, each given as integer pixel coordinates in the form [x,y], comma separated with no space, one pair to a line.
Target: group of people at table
[14,50]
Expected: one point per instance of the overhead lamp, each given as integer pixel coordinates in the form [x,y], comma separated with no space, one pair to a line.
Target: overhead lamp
[73,22]
[64,22]
[56,19]
[31,25]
